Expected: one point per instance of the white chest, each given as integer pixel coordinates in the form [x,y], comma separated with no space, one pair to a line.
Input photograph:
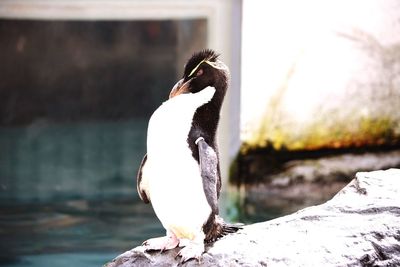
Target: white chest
[173,177]
[171,122]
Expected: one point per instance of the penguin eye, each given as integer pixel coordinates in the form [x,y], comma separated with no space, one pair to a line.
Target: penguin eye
[200,72]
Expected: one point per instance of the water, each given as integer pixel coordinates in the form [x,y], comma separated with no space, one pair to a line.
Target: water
[88,232]
[68,193]
[45,161]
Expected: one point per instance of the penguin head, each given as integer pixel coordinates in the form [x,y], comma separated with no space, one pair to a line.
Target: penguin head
[202,70]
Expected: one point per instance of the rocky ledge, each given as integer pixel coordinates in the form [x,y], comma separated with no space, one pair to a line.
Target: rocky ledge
[360,226]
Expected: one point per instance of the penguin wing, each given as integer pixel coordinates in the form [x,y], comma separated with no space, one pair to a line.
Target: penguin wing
[141,184]
[209,172]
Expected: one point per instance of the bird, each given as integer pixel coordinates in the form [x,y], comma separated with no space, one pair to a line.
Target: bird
[180,173]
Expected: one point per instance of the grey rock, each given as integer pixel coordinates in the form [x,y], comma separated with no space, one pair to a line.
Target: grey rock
[360,226]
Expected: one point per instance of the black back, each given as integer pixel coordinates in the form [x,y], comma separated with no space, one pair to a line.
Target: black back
[206,118]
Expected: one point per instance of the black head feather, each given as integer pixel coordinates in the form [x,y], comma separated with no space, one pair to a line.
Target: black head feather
[206,54]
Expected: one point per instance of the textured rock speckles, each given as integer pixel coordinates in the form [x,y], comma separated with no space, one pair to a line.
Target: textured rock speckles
[360,226]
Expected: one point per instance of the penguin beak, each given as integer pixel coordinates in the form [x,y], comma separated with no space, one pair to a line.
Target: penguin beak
[180,88]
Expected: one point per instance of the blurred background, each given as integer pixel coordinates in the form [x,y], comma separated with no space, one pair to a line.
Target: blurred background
[314,97]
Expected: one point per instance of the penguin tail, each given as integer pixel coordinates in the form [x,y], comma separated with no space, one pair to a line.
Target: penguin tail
[221,228]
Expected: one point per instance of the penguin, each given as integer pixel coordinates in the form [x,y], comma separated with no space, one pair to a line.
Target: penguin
[180,173]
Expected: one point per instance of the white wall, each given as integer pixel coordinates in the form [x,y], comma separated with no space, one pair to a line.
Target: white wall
[308,61]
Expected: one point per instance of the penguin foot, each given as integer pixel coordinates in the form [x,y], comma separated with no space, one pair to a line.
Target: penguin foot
[191,251]
[161,243]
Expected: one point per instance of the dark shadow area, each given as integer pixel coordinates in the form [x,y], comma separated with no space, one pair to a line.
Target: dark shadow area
[279,182]
[62,71]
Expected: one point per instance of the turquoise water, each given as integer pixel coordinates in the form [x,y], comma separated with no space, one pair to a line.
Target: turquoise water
[88,233]
[45,161]
[68,193]
[63,260]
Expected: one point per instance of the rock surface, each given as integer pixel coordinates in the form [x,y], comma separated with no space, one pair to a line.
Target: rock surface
[360,226]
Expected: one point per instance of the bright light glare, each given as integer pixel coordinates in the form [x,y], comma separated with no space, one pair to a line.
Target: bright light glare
[320,41]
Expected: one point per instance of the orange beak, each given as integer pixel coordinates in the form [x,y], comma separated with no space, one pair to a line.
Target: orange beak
[179,88]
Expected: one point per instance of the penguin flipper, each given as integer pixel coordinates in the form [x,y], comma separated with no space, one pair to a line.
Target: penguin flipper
[140,183]
[209,173]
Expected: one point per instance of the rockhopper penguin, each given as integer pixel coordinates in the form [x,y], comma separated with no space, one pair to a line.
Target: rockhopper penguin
[180,174]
